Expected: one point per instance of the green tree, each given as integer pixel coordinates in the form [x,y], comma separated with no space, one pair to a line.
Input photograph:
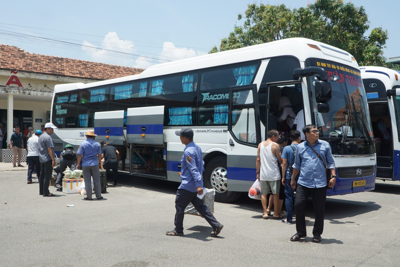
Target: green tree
[342,25]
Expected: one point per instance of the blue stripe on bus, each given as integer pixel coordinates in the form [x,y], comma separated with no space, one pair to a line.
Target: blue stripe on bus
[396,165]
[113,131]
[380,72]
[150,129]
[242,174]
[173,166]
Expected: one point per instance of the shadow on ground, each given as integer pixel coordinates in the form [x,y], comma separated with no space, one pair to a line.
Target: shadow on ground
[389,187]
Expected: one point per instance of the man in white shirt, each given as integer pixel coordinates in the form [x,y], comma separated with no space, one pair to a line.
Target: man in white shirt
[33,155]
[299,121]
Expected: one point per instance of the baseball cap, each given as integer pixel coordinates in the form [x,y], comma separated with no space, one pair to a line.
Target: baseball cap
[38,132]
[30,128]
[50,125]
[185,132]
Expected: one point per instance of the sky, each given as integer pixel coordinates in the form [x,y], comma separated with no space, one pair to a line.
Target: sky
[141,33]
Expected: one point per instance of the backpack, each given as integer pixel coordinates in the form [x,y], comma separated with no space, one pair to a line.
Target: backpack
[68,154]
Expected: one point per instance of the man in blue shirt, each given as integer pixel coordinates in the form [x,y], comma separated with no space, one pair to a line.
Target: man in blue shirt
[312,180]
[192,167]
[89,157]
[287,163]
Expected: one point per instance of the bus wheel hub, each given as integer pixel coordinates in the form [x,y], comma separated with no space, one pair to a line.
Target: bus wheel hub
[219,180]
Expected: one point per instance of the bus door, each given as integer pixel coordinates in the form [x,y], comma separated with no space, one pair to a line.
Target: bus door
[243,137]
[109,126]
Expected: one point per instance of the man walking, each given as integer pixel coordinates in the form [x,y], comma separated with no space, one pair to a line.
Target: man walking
[192,167]
[287,169]
[33,155]
[46,158]
[268,172]
[110,156]
[16,144]
[312,158]
[89,154]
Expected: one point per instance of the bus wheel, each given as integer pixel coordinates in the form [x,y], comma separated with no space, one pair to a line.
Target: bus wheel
[215,176]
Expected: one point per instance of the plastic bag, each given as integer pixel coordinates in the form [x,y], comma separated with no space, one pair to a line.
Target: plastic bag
[208,200]
[255,190]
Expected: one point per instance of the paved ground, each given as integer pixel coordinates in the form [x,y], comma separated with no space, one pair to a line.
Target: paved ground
[128,229]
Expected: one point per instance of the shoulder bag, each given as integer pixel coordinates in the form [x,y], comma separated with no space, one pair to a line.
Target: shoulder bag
[327,171]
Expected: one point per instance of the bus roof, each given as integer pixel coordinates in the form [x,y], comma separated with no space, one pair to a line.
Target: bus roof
[388,76]
[302,48]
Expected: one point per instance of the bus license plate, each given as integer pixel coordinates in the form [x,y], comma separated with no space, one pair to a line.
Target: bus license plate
[359,183]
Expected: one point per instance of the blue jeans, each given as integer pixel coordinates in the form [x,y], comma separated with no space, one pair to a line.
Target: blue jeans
[289,200]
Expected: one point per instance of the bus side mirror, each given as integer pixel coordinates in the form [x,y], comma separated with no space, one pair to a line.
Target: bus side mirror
[323,91]
[323,107]
[310,71]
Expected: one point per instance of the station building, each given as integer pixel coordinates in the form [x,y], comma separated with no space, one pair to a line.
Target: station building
[27,83]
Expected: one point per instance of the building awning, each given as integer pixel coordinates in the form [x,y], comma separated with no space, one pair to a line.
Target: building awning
[26,94]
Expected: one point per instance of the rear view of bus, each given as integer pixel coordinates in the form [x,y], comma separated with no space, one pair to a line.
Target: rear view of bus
[383,93]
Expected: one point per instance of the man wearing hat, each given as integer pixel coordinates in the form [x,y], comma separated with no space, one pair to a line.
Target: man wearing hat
[33,155]
[89,154]
[67,158]
[192,167]
[46,158]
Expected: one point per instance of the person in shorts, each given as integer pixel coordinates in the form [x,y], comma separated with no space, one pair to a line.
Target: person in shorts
[268,172]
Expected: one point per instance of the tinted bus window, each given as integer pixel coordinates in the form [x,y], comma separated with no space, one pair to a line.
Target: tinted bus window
[280,69]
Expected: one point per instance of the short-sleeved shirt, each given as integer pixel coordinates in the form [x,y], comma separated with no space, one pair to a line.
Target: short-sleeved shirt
[110,154]
[89,150]
[16,139]
[192,167]
[288,154]
[33,146]
[299,121]
[45,141]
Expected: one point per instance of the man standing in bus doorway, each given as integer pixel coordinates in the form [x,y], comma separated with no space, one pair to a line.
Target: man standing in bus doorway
[311,158]
[110,155]
[268,172]
[33,155]
[192,167]
[46,158]
[89,153]
[16,144]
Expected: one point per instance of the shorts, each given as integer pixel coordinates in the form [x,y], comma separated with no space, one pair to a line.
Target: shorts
[270,186]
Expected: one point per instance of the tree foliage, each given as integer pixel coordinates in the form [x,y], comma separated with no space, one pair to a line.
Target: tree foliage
[334,22]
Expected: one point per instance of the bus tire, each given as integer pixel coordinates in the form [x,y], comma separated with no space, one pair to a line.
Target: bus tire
[215,176]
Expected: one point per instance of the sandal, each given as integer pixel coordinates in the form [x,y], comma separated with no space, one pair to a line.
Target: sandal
[86,198]
[278,217]
[49,195]
[296,237]
[174,233]
[100,198]
[265,216]
[316,239]
[216,232]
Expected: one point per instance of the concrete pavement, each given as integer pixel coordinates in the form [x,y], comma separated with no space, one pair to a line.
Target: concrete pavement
[128,229]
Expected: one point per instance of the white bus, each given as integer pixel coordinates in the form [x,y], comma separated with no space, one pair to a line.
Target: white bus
[383,93]
[230,99]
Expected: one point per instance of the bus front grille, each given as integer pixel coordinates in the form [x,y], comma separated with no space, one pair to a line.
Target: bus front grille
[355,172]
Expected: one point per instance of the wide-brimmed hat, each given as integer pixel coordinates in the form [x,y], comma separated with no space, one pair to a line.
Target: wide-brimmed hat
[68,146]
[90,133]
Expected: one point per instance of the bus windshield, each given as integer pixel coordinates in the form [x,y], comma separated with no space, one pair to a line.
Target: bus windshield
[347,126]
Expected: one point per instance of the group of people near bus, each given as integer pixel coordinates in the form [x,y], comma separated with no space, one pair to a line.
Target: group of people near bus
[89,157]
[284,167]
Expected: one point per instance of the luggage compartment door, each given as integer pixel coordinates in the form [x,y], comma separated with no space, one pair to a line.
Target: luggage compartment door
[109,126]
[145,126]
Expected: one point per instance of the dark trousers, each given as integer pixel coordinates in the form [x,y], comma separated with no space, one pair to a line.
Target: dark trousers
[44,178]
[114,168]
[64,163]
[318,197]
[183,198]
[289,200]
[32,162]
